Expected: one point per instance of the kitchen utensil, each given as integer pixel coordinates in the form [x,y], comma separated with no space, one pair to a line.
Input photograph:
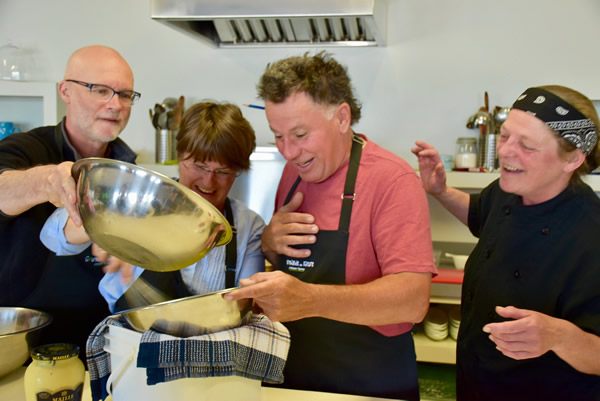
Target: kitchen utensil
[171,120]
[458,260]
[19,332]
[500,115]
[486,102]
[162,120]
[483,121]
[481,117]
[169,103]
[144,217]
[190,316]
[178,113]
[152,117]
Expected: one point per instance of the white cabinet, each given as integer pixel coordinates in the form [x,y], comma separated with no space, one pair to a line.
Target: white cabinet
[29,104]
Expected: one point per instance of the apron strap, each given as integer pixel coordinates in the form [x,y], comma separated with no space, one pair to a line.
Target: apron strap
[349,195]
[230,249]
[292,190]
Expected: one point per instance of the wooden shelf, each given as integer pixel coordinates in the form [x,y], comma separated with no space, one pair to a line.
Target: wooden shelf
[469,180]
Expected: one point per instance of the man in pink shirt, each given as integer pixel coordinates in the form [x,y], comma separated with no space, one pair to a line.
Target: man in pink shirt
[350,240]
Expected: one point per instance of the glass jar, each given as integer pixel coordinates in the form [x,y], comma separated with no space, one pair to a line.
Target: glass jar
[466,153]
[11,67]
[55,373]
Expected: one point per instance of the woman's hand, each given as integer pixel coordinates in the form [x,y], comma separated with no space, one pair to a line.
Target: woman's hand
[431,168]
[113,264]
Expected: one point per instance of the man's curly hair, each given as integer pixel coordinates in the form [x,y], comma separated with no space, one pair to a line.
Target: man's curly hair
[320,76]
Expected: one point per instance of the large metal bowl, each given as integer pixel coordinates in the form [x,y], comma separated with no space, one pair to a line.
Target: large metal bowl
[145,218]
[191,316]
[19,331]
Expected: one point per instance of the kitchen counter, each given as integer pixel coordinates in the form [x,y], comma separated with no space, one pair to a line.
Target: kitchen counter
[11,389]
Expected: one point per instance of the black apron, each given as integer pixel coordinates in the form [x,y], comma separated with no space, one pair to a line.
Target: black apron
[332,356]
[170,285]
[66,302]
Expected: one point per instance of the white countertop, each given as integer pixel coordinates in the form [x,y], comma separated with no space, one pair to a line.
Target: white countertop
[11,389]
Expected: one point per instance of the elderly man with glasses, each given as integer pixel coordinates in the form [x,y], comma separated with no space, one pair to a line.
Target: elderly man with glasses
[35,178]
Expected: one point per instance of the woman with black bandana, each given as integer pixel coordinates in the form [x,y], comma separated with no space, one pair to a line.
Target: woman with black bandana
[530,327]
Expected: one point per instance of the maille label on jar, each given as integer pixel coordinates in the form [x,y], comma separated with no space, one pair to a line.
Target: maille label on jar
[62,395]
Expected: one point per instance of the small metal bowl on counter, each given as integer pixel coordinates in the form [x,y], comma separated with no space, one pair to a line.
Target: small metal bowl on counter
[19,332]
[191,316]
[146,218]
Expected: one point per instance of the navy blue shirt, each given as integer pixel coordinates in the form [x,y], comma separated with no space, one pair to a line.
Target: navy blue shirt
[543,257]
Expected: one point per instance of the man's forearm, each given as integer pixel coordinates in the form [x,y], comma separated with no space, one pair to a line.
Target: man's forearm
[20,190]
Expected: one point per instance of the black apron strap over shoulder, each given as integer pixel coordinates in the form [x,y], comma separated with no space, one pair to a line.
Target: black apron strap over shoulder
[349,195]
[292,190]
[230,249]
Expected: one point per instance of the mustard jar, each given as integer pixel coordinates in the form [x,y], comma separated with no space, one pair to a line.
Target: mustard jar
[55,373]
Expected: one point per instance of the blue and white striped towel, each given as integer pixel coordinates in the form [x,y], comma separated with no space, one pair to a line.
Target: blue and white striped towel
[257,350]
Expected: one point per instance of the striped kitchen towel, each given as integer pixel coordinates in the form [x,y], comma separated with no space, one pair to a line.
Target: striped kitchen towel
[257,350]
[98,359]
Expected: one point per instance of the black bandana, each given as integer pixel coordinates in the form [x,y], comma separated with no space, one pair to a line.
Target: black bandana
[559,115]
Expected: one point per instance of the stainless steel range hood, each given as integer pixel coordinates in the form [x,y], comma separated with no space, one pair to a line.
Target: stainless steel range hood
[254,23]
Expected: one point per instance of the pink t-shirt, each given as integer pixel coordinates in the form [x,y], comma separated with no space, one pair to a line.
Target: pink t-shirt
[389,227]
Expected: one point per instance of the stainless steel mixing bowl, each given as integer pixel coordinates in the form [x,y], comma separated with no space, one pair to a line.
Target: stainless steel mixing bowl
[145,218]
[19,331]
[190,316]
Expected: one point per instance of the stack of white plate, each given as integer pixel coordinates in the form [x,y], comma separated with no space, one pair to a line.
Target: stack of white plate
[454,316]
[436,323]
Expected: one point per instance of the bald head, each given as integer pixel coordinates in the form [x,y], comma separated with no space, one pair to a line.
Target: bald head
[99,64]
[93,121]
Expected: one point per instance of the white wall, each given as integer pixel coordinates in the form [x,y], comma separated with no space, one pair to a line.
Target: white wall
[440,57]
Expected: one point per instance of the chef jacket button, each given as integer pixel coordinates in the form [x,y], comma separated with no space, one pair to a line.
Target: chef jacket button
[506,210]
[517,274]
[545,230]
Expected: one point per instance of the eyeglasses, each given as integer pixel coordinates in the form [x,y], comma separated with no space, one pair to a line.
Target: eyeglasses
[220,173]
[105,93]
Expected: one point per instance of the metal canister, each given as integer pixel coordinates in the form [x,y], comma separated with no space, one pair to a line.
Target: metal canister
[166,146]
[490,157]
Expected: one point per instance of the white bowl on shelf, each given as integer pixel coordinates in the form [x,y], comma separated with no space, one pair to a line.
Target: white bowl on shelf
[459,260]
[436,324]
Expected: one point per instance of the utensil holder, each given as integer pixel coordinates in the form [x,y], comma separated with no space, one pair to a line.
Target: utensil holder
[489,155]
[166,146]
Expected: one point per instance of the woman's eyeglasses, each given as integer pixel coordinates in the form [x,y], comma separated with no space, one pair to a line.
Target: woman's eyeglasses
[220,173]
